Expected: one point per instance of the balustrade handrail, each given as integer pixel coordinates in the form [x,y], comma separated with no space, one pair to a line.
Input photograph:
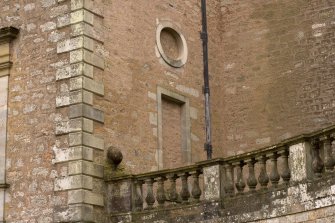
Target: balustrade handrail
[158,173]
[283,145]
[279,146]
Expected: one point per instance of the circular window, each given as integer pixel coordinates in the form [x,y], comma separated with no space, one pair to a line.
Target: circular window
[171,44]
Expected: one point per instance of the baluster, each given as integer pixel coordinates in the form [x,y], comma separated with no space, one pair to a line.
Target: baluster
[173,195]
[286,173]
[184,193]
[138,199]
[229,185]
[274,175]
[150,198]
[263,178]
[317,164]
[160,197]
[240,184]
[251,181]
[196,191]
[328,158]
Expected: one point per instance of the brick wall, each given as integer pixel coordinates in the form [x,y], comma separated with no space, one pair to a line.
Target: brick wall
[172,135]
[31,114]
[134,70]
[271,71]
[275,77]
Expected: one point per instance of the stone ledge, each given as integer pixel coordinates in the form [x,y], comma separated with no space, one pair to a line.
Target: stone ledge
[7,34]
[4,186]
[6,65]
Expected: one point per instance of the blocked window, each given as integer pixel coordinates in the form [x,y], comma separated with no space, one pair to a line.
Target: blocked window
[174,145]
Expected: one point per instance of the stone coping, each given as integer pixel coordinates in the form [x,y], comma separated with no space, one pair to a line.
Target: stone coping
[8,33]
[199,165]
[4,186]
[5,65]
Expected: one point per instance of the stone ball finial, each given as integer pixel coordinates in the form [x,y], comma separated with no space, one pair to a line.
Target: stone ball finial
[114,155]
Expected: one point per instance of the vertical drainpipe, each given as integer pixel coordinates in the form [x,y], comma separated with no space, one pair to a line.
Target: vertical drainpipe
[204,37]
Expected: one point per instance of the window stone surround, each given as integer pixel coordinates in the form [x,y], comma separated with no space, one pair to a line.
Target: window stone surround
[7,34]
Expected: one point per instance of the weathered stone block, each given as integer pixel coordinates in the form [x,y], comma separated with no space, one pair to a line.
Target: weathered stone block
[4,72]
[93,86]
[70,44]
[83,55]
[213,185]
[86,30]
[73,182]
[73,153]
[74,213]
[74,70]
[86,139]
[87,84]
[87,111]
[300,160]
[86,4]
[4,52]
[74,97]
[86,168]
[75,43]
[120,194]
[63,20]
[81,15]
[85,196]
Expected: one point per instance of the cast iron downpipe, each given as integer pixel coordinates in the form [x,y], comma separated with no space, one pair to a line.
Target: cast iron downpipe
[204,37]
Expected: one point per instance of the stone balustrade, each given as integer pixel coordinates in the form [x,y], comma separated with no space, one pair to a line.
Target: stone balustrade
[183,188]
[301,159]
[322,147]
[236,181]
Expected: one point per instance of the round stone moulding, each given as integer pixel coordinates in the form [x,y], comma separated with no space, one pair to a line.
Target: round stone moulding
[171,44]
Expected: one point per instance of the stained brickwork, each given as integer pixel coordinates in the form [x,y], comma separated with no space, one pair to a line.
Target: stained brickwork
[133,73]
[275,79]
[31,110]
[172,134]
